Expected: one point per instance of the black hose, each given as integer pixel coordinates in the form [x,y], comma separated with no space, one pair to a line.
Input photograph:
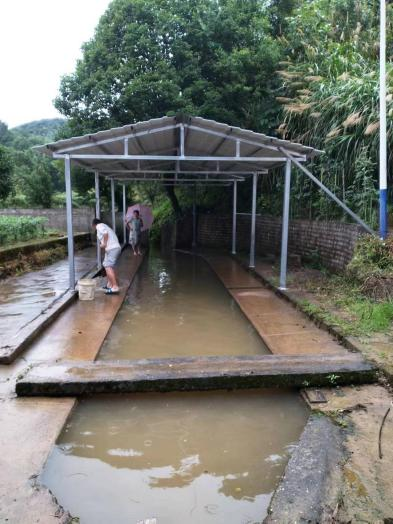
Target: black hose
[380,432]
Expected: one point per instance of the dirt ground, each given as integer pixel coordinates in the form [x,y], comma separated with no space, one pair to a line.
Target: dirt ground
[366,493]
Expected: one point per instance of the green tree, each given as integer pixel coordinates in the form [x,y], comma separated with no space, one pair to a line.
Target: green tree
[6,168]
[3,132]
[214,58]
[38,185]
[148,58]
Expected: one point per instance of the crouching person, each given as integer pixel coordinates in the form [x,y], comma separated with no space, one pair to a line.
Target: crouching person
[108,241]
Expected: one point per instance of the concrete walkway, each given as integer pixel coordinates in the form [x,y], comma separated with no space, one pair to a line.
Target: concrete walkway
[29,427]
[284,329]
[23,298]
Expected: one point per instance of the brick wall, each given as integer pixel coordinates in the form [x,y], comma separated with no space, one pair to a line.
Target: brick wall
[331,242]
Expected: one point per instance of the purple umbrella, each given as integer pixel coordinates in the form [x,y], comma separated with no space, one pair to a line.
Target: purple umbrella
[145,213]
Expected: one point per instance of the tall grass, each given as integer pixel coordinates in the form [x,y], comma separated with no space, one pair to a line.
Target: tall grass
[330,98]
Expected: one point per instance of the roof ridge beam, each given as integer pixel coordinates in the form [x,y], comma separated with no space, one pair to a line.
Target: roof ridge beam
[171,158]
[234,174]
[119,138]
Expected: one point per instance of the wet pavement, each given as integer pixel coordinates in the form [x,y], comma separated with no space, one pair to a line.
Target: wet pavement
[284,329]
[23,298]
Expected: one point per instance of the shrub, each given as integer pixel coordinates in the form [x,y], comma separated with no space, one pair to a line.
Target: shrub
[372,266]
[372,254]
[163,214]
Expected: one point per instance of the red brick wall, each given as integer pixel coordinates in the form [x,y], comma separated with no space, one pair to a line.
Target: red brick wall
[332,242]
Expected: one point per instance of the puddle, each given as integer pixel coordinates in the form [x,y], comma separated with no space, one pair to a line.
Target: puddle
[178,307]
[197,458]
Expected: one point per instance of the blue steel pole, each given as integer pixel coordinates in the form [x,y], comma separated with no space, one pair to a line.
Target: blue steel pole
[383,211]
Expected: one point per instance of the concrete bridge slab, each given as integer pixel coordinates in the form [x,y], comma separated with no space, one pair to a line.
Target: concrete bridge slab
[194,373]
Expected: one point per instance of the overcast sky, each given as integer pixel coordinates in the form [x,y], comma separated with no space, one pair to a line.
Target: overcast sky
[40,41]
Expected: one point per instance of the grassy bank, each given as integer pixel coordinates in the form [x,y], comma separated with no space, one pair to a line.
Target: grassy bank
[357,305]
[341,303]
[37,260]
[32,255]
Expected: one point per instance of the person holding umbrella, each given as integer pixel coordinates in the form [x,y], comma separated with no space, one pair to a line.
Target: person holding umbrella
[135,225]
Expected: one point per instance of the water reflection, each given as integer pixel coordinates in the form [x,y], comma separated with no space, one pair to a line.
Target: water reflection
[200,457]
[177,307]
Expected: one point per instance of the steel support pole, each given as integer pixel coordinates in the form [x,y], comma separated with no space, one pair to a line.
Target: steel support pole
[285,225]
[328,192]
[98,213]
[253,217]
[113,205]
[194,220]
[70,230]
[124,216]
[234,217]
[383,211]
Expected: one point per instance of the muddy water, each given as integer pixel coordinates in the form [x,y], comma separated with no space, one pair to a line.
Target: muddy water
[194,458]
[178,307]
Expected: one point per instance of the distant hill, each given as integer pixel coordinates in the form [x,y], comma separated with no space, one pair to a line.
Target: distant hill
[27,135]
[46,128]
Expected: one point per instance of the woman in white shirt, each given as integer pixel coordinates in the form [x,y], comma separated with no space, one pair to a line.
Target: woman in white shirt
[108,241]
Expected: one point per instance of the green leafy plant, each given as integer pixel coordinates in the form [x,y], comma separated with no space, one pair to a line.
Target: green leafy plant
[333,378]
[19,228]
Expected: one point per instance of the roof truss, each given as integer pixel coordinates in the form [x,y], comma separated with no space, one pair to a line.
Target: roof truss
[179,146]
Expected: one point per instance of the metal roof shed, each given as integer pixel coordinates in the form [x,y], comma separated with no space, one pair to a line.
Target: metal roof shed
[182,150]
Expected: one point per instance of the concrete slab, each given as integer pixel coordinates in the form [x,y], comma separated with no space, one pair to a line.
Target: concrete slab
[29,428]
[309,343]
[193,373]
[80,331]
[230,273]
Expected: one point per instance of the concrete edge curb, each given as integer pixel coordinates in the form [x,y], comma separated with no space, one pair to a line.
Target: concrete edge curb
[309,488]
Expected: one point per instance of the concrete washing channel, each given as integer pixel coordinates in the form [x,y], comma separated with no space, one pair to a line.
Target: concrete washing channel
[186,456]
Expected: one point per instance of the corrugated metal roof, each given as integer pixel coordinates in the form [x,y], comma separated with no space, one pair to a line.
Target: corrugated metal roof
[204,142]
